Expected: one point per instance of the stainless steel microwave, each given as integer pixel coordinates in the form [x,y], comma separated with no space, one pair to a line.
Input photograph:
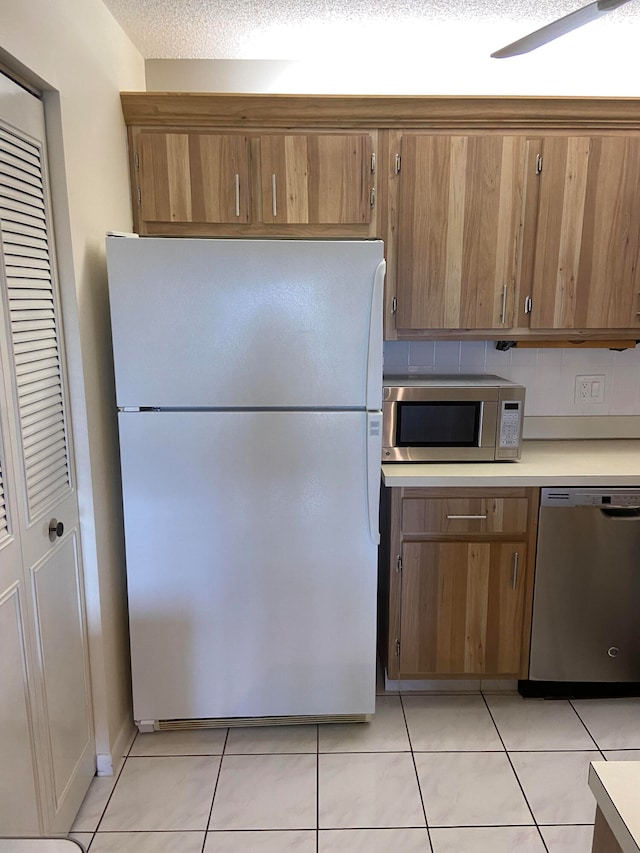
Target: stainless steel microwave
[459,418]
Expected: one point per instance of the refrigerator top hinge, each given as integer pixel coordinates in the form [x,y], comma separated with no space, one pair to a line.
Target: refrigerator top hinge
[398,164]
[399,563]
[397,648]
[394,305]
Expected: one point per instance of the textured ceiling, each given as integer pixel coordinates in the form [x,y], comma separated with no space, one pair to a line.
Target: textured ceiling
[271,29]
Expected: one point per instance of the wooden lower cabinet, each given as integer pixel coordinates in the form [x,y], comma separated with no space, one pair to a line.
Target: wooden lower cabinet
[458,591]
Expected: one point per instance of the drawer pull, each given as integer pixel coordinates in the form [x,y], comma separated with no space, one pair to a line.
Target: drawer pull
[514,573]
[466,516]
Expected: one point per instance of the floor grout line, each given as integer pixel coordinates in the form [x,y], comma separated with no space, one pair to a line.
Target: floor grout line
[586,728]
[215,788]
[111,793]
[415,770]
[513,769]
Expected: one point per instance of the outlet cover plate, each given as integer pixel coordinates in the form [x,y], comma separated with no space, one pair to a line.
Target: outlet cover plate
[589,389]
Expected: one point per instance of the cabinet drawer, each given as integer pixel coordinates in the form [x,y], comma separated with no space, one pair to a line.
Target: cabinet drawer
[464,515]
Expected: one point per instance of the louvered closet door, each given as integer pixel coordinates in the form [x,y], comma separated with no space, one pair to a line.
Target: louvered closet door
[43,483]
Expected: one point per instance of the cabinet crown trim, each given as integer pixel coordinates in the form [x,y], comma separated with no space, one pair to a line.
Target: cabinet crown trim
[203,109]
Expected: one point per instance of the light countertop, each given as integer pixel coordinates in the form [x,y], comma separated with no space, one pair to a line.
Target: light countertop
[601,462]
[616,787]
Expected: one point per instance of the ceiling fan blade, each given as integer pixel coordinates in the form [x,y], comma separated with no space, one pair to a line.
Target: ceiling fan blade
[558,28]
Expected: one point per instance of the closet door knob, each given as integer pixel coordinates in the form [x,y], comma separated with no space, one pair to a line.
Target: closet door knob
[56,529]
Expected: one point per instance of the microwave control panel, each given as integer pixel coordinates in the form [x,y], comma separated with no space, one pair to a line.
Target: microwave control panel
[510,427]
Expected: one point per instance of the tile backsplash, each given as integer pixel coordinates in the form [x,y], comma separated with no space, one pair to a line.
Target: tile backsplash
[549,375]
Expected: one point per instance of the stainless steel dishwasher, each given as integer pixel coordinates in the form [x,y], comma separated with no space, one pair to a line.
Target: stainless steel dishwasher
[586,608]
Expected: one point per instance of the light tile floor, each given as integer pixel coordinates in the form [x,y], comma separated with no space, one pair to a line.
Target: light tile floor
[472,773]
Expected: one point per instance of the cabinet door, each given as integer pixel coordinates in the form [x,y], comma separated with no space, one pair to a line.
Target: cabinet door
[193,177]
[316,179]
[586,270]
[459,220]
[461,608]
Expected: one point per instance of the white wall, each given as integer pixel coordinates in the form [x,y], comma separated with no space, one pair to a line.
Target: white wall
[83,60]
[409,54]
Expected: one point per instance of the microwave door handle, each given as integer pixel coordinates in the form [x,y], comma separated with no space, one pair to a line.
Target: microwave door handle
[480,424]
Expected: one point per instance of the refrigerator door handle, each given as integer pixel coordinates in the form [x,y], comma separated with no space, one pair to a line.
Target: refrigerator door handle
[374,455]
[374,356]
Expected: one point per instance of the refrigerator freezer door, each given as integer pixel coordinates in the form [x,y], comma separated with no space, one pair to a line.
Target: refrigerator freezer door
[251,563]
[246,323]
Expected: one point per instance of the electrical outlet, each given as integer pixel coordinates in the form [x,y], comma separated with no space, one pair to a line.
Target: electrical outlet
[589,389]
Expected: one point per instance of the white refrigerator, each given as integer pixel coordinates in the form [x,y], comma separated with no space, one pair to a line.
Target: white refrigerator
[248,386]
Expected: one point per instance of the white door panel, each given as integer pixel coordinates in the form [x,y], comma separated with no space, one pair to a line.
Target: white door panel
[245,323]
[19,810]
[57,589]
[250,562]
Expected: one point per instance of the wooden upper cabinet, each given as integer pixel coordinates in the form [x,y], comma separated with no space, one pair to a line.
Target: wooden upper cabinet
[198,182]
[586,272]
[193,178]
[316,179]
[478,242]
[461,201]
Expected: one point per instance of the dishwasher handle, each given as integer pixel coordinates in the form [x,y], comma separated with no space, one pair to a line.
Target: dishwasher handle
[627,513]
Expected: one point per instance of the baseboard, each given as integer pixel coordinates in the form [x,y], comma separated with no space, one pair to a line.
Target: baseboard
[450,685]
[108,763]
[578,689]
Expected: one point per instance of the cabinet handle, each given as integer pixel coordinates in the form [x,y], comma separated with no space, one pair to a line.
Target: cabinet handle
[503,314]
[466,516]
[236,182]
[274,205]
[514,570]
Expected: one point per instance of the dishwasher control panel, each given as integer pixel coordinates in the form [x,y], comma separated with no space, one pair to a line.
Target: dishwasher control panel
[560,497]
